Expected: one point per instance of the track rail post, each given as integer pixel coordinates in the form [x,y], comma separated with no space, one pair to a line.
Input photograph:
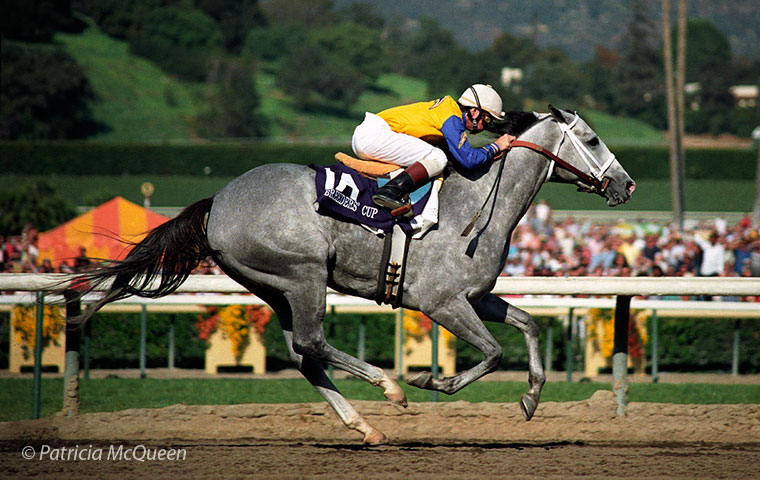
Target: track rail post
[37,383]
[569,347]
[143,339]
[434,360]
[620,352]
[71,369]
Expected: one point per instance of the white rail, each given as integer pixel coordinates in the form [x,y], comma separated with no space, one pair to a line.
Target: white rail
[612,286]
[622,287]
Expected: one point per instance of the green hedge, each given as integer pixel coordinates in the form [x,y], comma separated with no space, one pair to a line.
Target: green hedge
[80,158]
[701,163]
[685,345]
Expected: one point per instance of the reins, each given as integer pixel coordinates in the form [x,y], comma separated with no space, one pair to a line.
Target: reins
[470,226]
[585,177]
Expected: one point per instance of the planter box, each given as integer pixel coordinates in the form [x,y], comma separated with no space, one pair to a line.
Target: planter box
[219,353]
[417,351]
[53,355]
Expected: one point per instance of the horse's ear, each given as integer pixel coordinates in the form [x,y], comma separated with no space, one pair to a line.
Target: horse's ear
[557,114]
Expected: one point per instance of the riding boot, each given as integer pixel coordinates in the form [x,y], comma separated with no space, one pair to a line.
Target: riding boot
[392,195]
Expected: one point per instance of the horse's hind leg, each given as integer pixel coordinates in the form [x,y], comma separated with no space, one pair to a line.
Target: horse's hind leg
[311,368]
[308,307]
[494,309]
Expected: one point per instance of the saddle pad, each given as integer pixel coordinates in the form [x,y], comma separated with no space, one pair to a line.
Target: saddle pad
[347,194]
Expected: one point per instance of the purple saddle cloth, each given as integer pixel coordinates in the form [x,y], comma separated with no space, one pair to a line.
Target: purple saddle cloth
[344,193]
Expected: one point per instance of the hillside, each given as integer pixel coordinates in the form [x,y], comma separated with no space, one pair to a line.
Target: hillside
[577,27]
[135,99]
[140,103]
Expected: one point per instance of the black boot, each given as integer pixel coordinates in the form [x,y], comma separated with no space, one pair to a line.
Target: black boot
[391,195]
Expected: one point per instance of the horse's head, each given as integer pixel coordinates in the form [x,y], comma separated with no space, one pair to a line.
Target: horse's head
[599,170]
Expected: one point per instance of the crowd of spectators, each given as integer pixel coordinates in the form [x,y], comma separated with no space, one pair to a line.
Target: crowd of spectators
[544,246]
[19,254]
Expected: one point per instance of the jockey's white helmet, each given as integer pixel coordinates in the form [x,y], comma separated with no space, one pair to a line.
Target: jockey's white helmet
[483,97]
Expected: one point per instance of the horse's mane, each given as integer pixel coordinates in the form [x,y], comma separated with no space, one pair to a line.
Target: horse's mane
[515,123]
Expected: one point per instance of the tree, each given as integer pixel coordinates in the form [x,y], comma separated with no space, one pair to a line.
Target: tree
[37,21]
[510,51]
[233,106]
[639,87]
[356,45]
[44,94]
[314,78]
[709,64]
[37,203]
[365,14]
[299,13]
[333,66]
[432,54]
[235,18]
[600,86]
[179,40]
[553,78]
[272,44]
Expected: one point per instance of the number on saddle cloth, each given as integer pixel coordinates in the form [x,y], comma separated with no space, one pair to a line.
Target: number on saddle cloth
[344,193]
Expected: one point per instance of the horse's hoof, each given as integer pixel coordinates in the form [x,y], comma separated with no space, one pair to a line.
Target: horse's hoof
[528,406]
[375,437]
[393,392]
[399,398]
[421,380]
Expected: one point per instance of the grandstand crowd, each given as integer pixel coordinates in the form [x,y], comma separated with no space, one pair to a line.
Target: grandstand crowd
[543,246]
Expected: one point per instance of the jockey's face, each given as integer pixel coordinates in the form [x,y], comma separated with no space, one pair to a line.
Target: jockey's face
[476,121]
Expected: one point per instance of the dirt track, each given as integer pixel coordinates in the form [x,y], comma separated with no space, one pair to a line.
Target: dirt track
[445,440]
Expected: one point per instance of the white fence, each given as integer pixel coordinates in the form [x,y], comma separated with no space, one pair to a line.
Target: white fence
[623,288]
[612,286]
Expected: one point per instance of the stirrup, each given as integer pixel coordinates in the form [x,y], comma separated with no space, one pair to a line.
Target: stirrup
[387,201]
[404,211]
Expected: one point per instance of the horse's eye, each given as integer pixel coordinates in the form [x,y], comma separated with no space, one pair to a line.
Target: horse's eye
[594,141]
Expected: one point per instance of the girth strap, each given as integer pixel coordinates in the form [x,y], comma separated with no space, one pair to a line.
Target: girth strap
[390,279]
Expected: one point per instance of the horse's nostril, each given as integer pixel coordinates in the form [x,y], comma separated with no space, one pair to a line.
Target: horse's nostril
[631,187]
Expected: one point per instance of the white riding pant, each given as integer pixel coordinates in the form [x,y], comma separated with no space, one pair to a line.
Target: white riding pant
[373,139]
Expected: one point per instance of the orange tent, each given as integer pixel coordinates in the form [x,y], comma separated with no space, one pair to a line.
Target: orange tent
[98,231]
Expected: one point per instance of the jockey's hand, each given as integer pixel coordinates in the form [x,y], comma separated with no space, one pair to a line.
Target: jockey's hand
[505,142]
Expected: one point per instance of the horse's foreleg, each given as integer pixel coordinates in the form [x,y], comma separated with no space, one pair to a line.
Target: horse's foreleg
[312,370]
[458,317]
[494,309]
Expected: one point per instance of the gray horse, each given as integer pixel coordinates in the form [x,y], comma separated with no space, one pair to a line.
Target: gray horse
[263,231]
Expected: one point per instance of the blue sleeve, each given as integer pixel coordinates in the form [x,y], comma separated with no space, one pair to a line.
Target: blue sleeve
[453,131]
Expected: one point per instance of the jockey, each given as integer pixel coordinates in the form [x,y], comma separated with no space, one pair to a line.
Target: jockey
[410,136]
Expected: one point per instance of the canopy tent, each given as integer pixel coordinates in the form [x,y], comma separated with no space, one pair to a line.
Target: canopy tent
[98,232]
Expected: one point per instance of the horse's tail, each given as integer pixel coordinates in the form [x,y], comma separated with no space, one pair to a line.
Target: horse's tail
[169,252]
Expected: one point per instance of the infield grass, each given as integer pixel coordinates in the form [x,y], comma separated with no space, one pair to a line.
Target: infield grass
[108,395]
[179,191]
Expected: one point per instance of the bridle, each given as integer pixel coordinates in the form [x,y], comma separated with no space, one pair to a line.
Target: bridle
[596,179]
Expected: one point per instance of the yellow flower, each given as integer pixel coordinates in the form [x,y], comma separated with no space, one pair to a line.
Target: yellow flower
[418,325]
[24,321]
[601,329]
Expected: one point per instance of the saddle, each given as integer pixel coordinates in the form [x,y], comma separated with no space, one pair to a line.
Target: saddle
[370,168]
[345,190]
